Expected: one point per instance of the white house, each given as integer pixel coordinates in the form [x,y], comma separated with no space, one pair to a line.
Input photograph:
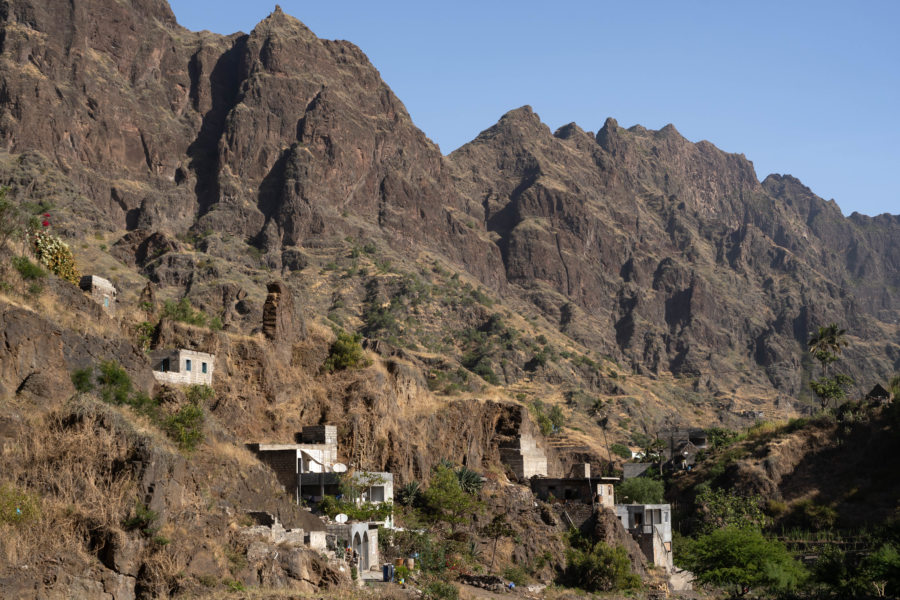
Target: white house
[183,367]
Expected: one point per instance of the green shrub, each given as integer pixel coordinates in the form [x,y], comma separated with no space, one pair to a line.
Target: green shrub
[142,518]
[17,506]
[620,450]
[598,567]
[440,590]
[516,574]
[82,379]
[185,427]
[115,384]
[27,269]
[199,394]
[345,353]
[640,490]
[183,312]
[145,331]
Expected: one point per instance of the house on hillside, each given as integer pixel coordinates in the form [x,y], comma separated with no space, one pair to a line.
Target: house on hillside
[101,291]
[878,396]
[183,367]
[651,527]
[580,488]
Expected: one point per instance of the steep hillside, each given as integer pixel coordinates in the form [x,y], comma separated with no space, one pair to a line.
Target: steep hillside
[679,258]
[202,159]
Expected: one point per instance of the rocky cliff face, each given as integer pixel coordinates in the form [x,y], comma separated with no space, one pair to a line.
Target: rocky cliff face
[655,251]
[680,259]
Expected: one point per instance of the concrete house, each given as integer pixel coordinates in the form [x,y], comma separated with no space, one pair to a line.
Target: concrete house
[101,291]
[579,488]
[302,467]
[360,538]
[183,367]
[651,526]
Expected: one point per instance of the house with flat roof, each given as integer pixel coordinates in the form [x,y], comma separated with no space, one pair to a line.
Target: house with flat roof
[183,367]
[580,488]
[651,526]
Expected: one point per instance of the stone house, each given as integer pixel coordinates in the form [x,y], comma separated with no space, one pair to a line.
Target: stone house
[101,291]
[183,367]
[651,526]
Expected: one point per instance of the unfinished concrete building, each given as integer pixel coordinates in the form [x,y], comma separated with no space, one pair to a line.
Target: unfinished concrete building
[183,367]
[523,457]
[315,454]
[651,526]
[581,487]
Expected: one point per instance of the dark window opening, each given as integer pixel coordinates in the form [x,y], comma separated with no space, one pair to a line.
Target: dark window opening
[187,365]
[203,367]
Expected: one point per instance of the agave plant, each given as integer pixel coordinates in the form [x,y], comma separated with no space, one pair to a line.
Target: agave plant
[410,494]
[469,481]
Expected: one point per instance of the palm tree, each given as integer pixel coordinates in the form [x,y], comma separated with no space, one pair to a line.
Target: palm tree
[825,345]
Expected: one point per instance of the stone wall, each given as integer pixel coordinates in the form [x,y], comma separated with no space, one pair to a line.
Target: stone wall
[284,463]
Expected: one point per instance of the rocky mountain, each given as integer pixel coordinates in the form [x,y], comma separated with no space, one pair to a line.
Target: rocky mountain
[660,253]
[628,278]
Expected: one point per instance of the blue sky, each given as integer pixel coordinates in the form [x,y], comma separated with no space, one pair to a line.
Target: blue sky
[806,88]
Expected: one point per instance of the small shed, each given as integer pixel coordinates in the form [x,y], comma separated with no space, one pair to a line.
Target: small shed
[878,395]
[101,291]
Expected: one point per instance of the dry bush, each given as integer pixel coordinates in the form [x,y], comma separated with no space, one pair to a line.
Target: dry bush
[76,465]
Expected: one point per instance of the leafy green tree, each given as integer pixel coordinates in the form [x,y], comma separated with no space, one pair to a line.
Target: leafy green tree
[496,529]
[722,508]
[640,490]
[446,501]
[881,570]
[831,390]
[741,558]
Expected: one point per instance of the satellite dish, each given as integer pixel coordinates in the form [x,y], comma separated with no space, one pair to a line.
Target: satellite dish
[339,467]
[341,518]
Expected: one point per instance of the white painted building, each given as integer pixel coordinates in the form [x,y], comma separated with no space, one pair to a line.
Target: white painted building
[651,526]
[183,367]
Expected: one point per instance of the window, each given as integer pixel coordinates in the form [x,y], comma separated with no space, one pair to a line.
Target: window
[187,365]
[165,365]
[203,368]
[106,301]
